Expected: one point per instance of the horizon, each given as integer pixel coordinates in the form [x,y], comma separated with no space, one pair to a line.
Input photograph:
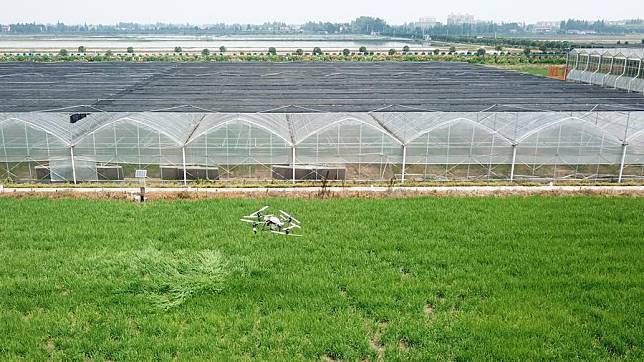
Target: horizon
[308,21]
[292,12]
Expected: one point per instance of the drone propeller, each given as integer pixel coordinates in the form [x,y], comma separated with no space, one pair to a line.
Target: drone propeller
[250,221]
[286,215]
[258,212]
[292,227]
[285,233]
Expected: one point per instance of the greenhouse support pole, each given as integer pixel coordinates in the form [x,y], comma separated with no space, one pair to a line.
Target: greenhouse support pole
[293,151]
[71,151]
[514,159]
[621,164]
[404,164]
[185,172]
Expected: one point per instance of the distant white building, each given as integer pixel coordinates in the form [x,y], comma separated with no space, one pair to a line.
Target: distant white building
[460,19]
[5,28]
[426,23]
[546,27]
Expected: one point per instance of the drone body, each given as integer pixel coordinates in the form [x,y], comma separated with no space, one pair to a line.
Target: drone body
[281,224]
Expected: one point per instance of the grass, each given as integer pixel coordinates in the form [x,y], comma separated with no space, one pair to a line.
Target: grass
[540,70]
[511,278]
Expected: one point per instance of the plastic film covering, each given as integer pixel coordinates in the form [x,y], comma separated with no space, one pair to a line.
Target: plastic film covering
[240,145]
[179,146]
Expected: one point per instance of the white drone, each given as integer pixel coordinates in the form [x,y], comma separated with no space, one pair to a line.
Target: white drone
[281,224]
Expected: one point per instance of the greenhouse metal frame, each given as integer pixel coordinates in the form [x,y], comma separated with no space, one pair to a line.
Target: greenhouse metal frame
[366,146]
[620,68]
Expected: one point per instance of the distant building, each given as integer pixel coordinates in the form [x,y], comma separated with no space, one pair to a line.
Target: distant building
[460,19]
[5,28]
[544,27]
[617,22]
[426,23]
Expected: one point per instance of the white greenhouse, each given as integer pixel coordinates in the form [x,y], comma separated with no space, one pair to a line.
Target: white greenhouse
[435,146]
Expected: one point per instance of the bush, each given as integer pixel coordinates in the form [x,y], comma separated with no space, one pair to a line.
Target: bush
[81,49]
[346,52]
[392,51]
[222,49]
[130,50]
[452,49]
[272,51]
[480,52]
[405,49]
[178,49]
[205,52]
[317,51]
[363,50]
[63,52]
[109,53]
[299,52]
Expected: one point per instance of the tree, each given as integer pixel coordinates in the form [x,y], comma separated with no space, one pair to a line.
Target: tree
[405,48]
[346,52]
[452,49]
[272,51]
[130,50]
[63,52]
[222,49]
[527,51]
[626,42]
[299,52]
[363,49]
[436,51]
[392,51]
[178,49]
[317,51]
[480,52]
[109,53]
[81,49]
[498,48]
[205,52]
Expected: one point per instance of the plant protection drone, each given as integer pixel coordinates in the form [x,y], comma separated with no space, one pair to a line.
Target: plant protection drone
[281,224]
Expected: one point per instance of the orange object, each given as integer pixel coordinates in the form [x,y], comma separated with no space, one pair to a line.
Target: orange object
[557,72]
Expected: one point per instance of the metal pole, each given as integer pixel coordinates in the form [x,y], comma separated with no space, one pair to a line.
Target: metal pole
[71,151]
[404,164]
[514,159]
[185,171]
[293,149]
[621,165]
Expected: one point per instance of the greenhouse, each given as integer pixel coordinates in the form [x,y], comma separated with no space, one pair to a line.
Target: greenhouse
[402,121]
[615,68]
[184,147]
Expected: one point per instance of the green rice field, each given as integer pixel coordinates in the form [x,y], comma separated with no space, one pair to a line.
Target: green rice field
[431,278]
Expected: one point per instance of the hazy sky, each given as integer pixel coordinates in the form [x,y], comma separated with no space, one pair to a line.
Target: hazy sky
[299,11]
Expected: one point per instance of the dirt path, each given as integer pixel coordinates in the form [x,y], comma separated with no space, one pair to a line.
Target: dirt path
[318,192]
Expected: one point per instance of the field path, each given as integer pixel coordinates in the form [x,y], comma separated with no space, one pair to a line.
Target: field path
[367,191]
